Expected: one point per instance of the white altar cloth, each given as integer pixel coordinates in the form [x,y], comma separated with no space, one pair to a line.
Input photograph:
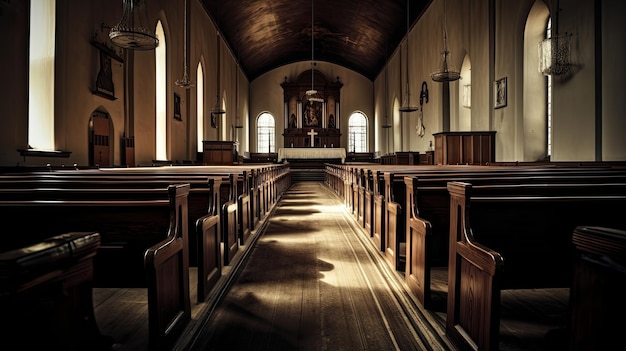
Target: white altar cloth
[312,153]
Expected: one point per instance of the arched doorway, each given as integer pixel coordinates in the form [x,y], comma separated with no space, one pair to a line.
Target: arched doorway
[100,139]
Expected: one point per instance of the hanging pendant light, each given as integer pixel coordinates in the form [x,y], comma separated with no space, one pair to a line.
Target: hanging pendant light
[185,82]
[445,73]
[133,31]
[554,51]
[312,93]
[387,124]
[406,104]
[217,109]
[238,124]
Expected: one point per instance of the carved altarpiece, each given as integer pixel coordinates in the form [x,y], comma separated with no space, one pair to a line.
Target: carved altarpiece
[302,115]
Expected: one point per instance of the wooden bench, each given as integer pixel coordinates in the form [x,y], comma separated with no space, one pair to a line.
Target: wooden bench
[146,249]
[400,213]
[597,294]
[515,237]
[234,203]
[46,287]
[428,216]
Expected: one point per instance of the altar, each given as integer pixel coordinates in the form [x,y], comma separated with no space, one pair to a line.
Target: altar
[311,153]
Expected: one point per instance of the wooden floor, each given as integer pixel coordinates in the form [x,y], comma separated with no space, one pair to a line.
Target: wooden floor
[311,281]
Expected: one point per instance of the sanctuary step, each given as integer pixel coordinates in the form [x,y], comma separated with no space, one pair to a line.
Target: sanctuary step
[307,175]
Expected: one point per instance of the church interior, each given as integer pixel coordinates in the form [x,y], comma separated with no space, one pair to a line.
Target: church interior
[313,174]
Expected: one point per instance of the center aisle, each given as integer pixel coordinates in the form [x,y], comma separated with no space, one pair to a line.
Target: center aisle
[312,282]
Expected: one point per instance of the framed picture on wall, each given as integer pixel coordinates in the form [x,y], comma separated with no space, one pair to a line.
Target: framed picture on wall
[177,114]
[499,91]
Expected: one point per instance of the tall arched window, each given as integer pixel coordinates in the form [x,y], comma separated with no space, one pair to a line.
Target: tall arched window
[533,132]
[357,132]
[160,55]
[200,106]
[265,133]
[41,74]
[549,98]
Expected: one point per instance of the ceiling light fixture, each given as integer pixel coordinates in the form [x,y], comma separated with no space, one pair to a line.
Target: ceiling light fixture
[238,124]
[406,105]
[133,30]
[387,124]
[217,109]
[312,94]
[554,51]
[185,82]
[445,73]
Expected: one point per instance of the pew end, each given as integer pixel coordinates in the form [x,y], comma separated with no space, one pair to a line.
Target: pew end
[47,287]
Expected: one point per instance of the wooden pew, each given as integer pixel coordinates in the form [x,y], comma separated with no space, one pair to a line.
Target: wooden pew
[146,249]
[204,197]
[395,235]
[234,197]
[46,294]
[597,295]
[514,237]
[427,217]
[402,214]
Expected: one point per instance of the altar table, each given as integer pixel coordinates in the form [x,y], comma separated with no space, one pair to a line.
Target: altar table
[311,153]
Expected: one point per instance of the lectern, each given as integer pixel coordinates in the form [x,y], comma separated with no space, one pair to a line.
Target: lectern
[471,148]
[219,152]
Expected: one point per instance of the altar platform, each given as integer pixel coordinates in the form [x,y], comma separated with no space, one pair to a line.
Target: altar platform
[305,153]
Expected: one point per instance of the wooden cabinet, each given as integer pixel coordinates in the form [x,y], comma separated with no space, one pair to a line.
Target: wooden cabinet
[216,152]
[471,148]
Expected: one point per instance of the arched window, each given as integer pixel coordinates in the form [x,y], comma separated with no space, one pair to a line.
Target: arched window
[536,96]
[549,98]
[41,73]
[160,55]
[265,133]
[357,132]
[200,106]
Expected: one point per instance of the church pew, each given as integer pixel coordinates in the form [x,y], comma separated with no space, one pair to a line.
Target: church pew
[143,244]
[237,220]
[597,295]
[259,186]
[427,215]
[204,197]
[392,228]
[45,292]
[395,195]
[515,237]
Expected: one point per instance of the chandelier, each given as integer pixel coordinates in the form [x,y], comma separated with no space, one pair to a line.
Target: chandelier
[445,73]
[133,30]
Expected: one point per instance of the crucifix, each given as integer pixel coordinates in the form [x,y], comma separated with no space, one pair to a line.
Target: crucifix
[312,133]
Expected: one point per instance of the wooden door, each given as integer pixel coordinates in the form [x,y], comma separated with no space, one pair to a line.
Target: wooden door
[100,139]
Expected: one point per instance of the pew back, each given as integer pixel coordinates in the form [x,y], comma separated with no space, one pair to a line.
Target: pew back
[515,236]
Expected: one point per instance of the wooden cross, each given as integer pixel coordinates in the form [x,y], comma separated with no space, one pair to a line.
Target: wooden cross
[312,133]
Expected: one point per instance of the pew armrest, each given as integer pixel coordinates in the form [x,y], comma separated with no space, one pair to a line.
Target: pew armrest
[29,266]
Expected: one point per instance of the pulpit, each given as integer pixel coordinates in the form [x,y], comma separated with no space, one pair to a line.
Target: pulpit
[219,152]
[472,148]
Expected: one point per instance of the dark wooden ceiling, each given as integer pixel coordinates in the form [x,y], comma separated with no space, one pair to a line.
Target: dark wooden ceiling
[357,34]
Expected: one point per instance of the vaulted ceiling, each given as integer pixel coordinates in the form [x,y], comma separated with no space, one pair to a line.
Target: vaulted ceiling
[357,34]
